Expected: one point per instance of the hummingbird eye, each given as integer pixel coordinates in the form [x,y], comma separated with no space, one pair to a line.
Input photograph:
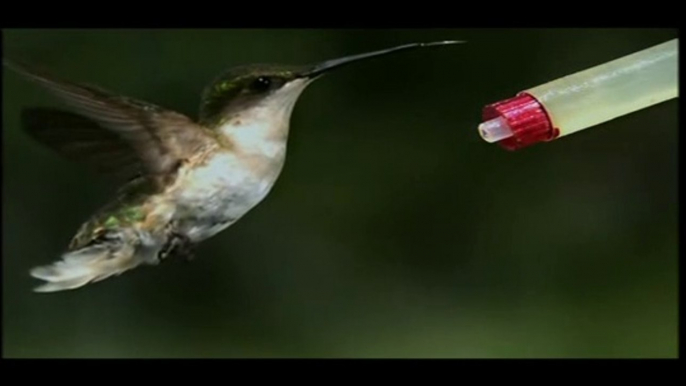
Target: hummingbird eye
[262,83]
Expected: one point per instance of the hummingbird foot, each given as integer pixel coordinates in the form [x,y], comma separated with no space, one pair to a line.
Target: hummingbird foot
[178,245]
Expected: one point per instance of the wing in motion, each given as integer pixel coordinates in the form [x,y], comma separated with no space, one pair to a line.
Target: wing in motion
[109,131]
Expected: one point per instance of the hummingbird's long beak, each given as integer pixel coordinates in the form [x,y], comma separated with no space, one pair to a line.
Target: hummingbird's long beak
[320,68]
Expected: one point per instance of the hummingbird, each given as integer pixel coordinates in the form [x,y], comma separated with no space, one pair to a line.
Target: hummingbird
[183,180]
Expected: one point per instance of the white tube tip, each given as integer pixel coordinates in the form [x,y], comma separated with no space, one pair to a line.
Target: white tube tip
[495,130]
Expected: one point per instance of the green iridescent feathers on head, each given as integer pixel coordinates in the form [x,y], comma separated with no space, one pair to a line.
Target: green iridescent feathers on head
[240,86]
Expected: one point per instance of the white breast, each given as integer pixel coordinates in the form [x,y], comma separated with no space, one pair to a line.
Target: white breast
[213,196]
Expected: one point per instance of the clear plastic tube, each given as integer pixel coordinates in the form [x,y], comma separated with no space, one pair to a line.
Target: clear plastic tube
[611,90]
[590,97]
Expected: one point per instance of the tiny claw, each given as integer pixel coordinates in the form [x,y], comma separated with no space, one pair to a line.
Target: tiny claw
[177,245]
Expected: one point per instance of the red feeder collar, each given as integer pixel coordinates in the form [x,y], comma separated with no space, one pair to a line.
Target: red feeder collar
[526,117]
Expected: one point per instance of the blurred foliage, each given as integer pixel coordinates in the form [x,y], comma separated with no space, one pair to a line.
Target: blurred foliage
[394,231]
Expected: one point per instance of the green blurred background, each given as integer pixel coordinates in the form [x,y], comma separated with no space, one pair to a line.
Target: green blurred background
[394,230]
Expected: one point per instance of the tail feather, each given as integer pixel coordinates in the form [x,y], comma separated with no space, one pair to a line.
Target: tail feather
[87,265]
[62,285]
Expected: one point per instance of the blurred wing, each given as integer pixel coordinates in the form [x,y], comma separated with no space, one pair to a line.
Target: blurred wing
[82,140]
[159,138]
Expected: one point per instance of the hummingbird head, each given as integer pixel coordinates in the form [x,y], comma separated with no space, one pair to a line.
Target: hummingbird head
[250,87]
[273,88]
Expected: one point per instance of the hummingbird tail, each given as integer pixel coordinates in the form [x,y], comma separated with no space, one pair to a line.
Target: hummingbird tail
[86,265]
